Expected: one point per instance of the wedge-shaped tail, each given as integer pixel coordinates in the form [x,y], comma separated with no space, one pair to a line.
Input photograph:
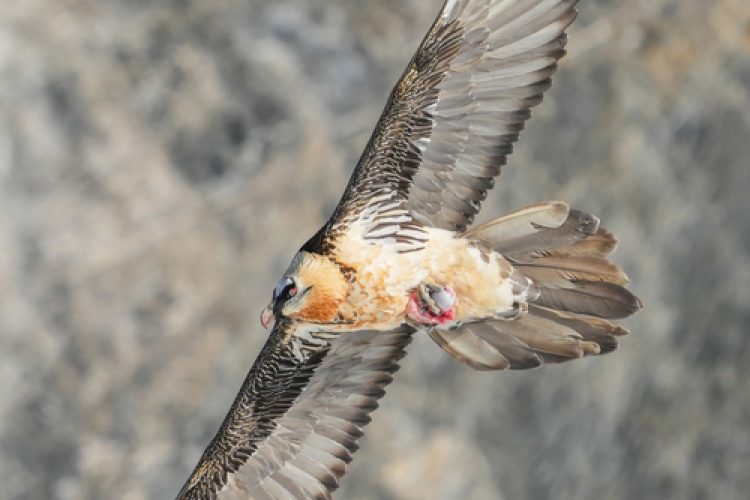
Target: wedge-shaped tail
[566,255]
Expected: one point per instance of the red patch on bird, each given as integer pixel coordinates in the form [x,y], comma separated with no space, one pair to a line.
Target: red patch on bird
[420,313]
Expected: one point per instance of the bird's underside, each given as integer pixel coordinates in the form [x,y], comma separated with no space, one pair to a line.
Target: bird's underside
[398,256]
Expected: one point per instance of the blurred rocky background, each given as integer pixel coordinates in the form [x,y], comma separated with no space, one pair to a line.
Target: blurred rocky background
[161,161]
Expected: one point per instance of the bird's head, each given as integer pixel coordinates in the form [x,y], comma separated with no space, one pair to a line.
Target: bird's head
[311,291]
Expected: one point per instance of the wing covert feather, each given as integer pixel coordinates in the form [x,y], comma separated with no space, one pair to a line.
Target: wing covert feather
[451,120]
[294,426]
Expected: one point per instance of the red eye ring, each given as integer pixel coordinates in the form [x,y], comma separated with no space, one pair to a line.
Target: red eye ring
[293,291]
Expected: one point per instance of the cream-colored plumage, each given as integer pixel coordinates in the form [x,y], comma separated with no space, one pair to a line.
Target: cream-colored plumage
[533,286]
[377,298]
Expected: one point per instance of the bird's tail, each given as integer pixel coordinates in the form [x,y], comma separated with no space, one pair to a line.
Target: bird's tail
[565,254]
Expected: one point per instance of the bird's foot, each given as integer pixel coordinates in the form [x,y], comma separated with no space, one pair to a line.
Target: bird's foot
[430,304]
[519,309]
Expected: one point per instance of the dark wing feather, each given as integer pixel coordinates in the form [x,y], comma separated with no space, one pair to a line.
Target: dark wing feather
[451,120]
[294,425]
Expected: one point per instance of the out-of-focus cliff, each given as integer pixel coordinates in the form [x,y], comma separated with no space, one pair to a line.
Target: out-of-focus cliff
[161,161]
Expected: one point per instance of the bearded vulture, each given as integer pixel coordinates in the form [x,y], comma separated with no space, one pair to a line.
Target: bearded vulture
[398,256]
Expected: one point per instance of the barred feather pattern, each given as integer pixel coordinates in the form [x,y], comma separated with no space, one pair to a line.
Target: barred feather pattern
[451,120]
[293,427]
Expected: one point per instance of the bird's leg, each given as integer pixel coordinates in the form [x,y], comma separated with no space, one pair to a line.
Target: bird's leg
[519,309]
[431,304]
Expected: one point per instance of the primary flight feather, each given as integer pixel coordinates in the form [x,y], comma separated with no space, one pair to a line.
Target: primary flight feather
[396,257]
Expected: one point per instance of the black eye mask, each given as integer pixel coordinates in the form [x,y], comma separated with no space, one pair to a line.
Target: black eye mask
[285,290]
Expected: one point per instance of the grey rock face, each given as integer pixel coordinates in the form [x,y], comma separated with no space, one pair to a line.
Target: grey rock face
[160,162]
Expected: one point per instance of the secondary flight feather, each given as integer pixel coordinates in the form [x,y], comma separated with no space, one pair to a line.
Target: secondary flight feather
[397,256]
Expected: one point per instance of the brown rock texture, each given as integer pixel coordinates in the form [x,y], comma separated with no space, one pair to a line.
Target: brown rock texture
[160,162]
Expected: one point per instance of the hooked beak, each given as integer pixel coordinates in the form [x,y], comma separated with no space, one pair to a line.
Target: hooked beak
[267,316]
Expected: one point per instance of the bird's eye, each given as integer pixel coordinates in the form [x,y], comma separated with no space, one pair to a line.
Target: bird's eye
[285,290]
[289,291]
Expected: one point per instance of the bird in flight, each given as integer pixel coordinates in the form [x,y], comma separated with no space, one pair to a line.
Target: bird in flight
[398,256]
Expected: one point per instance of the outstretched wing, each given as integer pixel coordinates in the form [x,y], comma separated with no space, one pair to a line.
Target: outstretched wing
[451,120]
[294,425]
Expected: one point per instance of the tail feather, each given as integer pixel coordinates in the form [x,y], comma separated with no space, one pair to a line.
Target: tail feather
[603,300]
[600,244]
[547,337]
[575,268]
[521,343]
[520,224]
[564,254]
[485,352]
[597,330]
[551,226]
